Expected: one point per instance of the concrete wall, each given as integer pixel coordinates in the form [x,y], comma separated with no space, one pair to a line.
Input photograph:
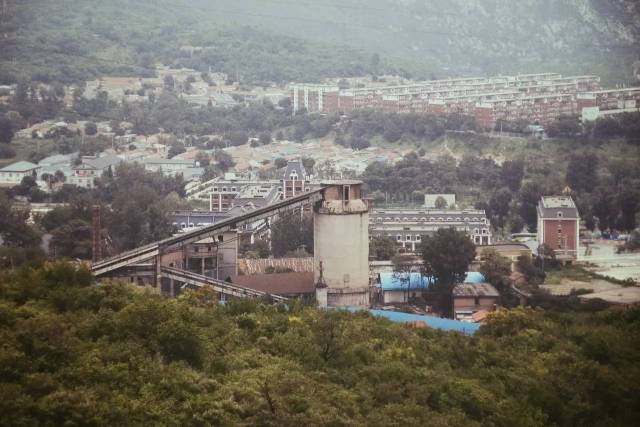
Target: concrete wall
[392,297]
[341,243]
[228,257]
[469,303]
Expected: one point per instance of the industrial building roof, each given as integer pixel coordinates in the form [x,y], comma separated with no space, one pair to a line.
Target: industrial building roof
[475,290]
[394,281]
[431,321]
[501,248]
[278,283]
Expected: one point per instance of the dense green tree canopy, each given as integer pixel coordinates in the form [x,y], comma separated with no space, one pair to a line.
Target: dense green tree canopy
[382,247]
[447,255]
[78,354]
[496,269]
[290,233]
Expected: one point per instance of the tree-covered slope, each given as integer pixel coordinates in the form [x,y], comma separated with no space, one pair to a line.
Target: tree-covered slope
[465,36]
[75,40]
[308,40]
[78,354]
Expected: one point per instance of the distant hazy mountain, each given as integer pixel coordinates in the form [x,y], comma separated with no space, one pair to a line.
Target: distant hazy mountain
[306,39]
[464,36]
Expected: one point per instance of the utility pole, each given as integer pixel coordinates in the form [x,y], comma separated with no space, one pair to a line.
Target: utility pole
[97,246]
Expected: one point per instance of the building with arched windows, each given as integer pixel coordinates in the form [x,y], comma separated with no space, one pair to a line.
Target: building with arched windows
[408,226]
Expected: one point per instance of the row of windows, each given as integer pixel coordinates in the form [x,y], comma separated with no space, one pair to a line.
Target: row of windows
[430,219]
[224,189]
[475,230]
[409,238]
[418,237]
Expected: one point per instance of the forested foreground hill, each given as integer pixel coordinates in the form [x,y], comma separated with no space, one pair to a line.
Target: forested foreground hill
[283,40]
[78,354]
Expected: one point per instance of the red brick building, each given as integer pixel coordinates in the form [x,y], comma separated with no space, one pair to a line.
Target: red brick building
[559,226]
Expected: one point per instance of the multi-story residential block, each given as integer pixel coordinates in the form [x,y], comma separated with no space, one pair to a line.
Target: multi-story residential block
[559,226]
[538,98]
[602,103]
[313,97]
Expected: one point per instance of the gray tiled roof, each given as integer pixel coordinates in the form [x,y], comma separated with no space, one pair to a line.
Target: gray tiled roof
[556,207]
[294,166]
[475,290]
[20,166]
[102,162]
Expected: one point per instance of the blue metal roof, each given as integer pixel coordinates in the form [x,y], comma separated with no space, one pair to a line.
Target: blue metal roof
[392,281]
[431,321]
[474,277]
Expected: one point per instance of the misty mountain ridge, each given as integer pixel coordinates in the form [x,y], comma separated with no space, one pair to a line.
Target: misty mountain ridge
[309,40]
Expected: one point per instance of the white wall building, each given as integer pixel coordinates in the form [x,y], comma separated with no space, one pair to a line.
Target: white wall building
[12,175]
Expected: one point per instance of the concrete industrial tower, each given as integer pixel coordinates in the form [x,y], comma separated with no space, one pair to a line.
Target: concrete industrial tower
[341,246]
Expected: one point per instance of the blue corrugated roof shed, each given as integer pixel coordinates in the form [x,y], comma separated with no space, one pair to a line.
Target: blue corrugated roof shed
[474,277]
[391,281]
[431,321]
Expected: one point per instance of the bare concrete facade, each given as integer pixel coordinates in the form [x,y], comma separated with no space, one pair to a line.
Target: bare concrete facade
[341,245]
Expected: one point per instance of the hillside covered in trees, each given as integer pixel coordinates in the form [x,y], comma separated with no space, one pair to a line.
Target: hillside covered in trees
[75,40]
[78,354]
[282,40]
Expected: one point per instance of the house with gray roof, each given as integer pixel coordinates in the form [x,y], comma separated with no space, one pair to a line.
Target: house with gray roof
[90,168]
[12,174]
[57,162]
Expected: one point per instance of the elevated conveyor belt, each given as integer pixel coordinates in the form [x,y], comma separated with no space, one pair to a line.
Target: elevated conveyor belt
[154,249]
[225,288]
